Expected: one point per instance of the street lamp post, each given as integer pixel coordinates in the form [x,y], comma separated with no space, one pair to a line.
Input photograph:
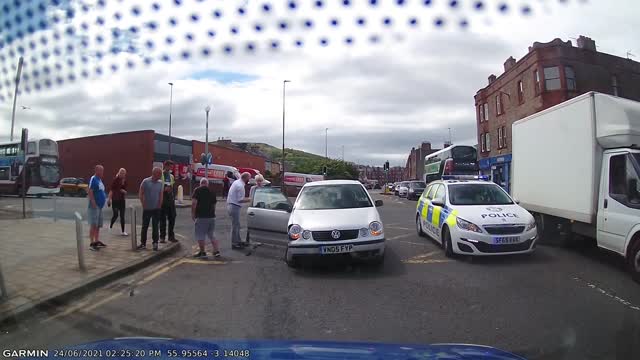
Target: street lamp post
[206,144]
[326,151]
[15,95]
[170,106]
[284,83]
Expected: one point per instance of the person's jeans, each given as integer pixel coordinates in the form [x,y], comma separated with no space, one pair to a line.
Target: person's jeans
[168,214]
[234,213]
[152,215]
[118,207]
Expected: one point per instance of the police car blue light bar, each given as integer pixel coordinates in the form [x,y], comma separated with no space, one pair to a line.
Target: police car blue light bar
[466,177]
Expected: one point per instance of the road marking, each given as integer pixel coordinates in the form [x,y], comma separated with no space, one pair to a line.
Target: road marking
[425,259]
[399,228]
[400,236]
[606,293]
[205,262]
[181,237]
[431,261]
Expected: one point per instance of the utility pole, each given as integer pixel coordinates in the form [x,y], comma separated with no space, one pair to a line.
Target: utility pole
[326,151]
[284,83]
[206,146]
[15,96]
[342,153]
[450,137]
[170,106]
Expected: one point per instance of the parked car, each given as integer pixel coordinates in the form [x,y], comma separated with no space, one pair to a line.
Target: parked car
[390,187]
[415,190]
[73,187]
[403,189]
[396,188]
[376,186]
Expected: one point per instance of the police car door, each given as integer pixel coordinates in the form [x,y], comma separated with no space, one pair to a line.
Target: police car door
[426,209]
[434,212]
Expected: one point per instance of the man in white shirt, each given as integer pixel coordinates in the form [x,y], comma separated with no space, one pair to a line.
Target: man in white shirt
[235,199]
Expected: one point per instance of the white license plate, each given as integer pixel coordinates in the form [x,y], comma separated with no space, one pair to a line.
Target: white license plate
[336,249]
[506,240]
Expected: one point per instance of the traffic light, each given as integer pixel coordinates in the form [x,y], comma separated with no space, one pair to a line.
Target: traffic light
[386,166]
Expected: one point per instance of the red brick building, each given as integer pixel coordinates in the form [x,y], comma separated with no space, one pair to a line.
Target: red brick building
[547,75]
[414,169]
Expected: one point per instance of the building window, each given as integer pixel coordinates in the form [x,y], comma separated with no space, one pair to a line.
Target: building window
[500,138]
[487,141]
[570,75]
[614,85]
[552,78]
[480,113]
[499,109]
[486,112]
[536,82]
[520,92]
[504,136]
[482,146]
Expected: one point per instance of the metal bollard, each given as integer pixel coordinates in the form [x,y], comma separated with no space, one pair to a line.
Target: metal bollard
[55,208]
[3,287]
[81,263]
[134,230]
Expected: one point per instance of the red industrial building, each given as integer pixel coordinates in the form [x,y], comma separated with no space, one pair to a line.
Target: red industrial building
[549,74]
[140,151]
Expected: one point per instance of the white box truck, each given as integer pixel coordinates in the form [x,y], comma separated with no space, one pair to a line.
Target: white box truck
[576,168]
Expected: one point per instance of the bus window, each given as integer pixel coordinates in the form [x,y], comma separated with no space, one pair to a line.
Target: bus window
[5,173]
[31,148]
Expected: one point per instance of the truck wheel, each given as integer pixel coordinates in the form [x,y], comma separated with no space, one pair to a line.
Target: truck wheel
[634,260]
[446,243]
[548,230]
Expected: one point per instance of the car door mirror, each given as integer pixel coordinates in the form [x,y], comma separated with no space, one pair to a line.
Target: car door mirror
[438,202]
[379,203]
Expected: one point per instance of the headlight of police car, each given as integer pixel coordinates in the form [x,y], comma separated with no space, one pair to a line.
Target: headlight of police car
[295,231]
[375,228]
[531,225]
[466,225]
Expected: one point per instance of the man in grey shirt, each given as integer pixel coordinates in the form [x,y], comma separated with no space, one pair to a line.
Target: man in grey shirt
[151,198]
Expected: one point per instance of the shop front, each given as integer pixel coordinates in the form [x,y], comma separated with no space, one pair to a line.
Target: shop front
[498,169]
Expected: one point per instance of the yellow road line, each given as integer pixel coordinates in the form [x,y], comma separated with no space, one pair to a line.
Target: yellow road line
[422,256]
[205,262]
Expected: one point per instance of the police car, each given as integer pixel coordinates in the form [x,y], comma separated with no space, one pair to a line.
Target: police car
[472,216]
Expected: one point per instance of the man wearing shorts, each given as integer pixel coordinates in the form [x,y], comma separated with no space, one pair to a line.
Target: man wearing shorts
[203,213]
[97,198]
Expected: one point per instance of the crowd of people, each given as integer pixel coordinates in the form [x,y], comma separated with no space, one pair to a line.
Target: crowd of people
[156,195]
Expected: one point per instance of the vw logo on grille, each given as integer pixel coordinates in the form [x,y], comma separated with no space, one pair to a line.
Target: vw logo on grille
[335,234]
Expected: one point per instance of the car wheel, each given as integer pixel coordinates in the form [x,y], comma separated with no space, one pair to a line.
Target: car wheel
[446,243]
[83,193]
[634,260]
[61,192]
[293,263]
[419,227]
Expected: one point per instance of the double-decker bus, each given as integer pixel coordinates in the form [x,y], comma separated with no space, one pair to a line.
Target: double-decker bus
[454,160]
[40,161]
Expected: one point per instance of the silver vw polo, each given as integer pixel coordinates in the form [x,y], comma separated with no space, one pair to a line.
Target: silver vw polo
[335,217]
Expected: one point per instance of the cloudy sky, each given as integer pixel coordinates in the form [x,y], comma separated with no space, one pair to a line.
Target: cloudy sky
[381,75]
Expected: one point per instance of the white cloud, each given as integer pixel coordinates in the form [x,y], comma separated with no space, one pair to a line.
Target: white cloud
[378,100]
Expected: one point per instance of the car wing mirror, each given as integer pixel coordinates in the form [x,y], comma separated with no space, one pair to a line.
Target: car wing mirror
[438,202]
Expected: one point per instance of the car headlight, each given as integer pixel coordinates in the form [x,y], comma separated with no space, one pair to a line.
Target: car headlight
[295,231]
[466,225]
[375,228]
[531,225]
[306,234]
[364,232]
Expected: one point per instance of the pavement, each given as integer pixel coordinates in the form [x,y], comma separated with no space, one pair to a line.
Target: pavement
[559,303]
[39,259]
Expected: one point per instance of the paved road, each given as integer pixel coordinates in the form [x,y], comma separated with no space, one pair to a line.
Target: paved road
[559,303]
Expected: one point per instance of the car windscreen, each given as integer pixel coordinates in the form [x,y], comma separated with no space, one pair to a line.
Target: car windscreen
[270,198]
[478,194]
[327,197]
[418,185]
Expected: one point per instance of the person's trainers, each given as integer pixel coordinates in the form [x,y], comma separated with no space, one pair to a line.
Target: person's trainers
[94,247]
[237,247]
[155,247]
[216,254]
[141,247]
[162,241]
[200,254]
[173,240]
[100,244]
[124,234]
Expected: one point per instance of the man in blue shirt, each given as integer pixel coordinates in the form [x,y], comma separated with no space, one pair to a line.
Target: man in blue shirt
[97,198]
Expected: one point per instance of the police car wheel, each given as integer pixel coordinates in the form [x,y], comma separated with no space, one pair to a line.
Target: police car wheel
[446,243]
[419,227]
[634,260]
